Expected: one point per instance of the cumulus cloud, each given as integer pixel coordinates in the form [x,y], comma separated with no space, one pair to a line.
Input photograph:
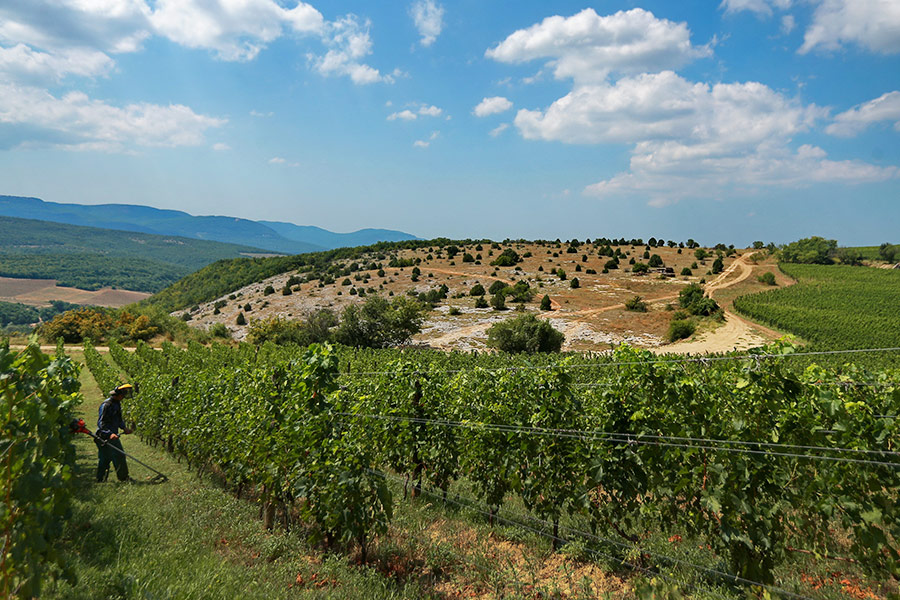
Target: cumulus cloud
[24,64]
[422,110]
[33,116]
[884,108]
[760,7]
[693,139]
[405,115]
[872,24]
[111,26]
[349,41]
[234,30]
[587,47]
[428,17]
[492,106]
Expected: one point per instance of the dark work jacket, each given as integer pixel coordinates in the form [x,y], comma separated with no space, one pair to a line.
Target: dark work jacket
[110,419]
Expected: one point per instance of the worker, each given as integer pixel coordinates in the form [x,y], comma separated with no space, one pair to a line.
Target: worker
[109,423]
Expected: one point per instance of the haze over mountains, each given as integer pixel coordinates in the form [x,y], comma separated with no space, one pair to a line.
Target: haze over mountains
[280,237]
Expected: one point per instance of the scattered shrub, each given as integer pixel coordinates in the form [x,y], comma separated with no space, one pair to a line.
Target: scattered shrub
[526,333]
[636,304]
[680,329]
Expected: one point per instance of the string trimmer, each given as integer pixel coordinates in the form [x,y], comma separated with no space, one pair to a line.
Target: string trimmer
[78,426]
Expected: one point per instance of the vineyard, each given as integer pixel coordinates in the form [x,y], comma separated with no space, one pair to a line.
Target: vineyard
[832,306]
[38,397]
[622,456]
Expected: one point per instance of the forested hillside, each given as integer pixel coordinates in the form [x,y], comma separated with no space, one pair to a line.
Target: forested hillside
[91,258]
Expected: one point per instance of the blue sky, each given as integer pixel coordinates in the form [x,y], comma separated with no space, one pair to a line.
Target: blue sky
[731,121]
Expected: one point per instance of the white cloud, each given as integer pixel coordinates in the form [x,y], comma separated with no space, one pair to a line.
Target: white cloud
[430,111]
[405,115]
[499,129]
[587,47]
[873,24]
[884,108]
[428,17]
[692,139]
[23,64]
[234,29]
[33,116]
[221,147]
[348,42]
[111,26]
[422,110]
[760,7]
[259,115]
[277,160]
[421,144]
[492,106]
[788,24]
[668,174]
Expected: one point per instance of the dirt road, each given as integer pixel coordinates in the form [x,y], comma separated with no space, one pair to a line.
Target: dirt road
[736,333]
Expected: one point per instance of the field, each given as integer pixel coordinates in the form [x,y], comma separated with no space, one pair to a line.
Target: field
[832,306]
[39,292]
[592,315]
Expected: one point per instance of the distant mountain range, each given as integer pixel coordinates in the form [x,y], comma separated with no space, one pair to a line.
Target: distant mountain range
[284,238]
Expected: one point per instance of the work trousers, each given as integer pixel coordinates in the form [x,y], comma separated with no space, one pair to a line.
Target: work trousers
[108,454]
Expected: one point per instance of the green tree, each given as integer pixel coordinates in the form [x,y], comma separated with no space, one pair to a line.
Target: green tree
[718,265]
[768,278]
[574,284]
[811,250]
[241,320]
[636,304]
[477,290]
[656,261]
[680,329]
[379,324]
[545,303]
[498,302]
[526,333]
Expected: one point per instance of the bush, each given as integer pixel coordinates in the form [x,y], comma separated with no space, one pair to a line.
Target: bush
[656,261]
[480,302]
[78,325]
[561,274]
[767,278]
[477,290]
[526,333]
[640,268]
[545,303]
[718,265]
[454,311]
[286,290]
[611,264]
[680,329]
[498,302]
[574,284]
[379,323]
[241,320]
[507,258]
[498,287]
[220,331]
[468,258]
[686,272]
[700,254]
[268,291]
[636,304]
